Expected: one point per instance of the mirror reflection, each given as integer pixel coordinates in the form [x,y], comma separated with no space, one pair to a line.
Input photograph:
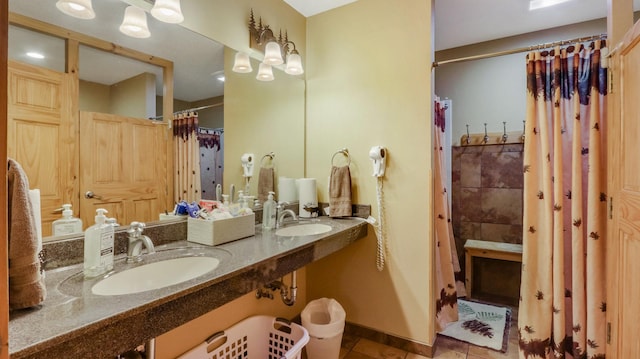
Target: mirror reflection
[61,144]
[108,83]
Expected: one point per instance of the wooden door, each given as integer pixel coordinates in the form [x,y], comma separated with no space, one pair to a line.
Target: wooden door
[40,135]
[123,162]
[623,247]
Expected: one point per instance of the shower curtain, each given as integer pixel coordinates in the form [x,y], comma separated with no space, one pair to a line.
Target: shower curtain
[562,295]
[186,158]
[211,160]
[447,290]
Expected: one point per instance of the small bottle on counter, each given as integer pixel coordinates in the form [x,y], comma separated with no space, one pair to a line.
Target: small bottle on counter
[67,224]
[269,212]
[98,246]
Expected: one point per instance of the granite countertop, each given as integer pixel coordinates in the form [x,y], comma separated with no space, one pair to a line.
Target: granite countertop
[74,323]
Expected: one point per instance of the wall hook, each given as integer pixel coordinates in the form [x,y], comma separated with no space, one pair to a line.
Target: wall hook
[485,139]
[468,140]
[504,134]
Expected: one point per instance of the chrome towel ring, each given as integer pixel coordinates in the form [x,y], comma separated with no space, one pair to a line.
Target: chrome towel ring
[344,152]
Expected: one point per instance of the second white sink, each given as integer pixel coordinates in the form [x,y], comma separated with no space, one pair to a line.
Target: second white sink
[155,275]
[303,230]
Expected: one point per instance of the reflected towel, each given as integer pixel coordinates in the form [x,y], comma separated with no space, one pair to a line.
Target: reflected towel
[340,192]
[265,183]
[26,281]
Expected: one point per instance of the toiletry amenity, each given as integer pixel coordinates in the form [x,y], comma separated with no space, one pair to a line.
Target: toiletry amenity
[269,212]
[26,282]
[98,246]
[340,192]
[67,224]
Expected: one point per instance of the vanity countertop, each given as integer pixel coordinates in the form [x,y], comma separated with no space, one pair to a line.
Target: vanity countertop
[74,323]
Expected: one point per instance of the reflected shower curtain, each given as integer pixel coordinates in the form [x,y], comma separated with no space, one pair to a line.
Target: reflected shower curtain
[211,161]
[562,295]
[446,257]
[186,158]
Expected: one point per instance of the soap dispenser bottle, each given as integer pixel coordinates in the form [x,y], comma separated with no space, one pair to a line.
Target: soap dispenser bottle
[269,212]
[67,224]
[97,240]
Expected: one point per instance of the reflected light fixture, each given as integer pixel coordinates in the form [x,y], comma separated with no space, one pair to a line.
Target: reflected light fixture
[134,23]
[167,11]
[275,49]
[540,4]
[81,9]
[35,55]
[265,72]
[242,63]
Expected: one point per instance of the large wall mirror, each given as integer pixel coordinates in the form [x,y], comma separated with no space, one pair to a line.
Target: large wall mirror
[106,80]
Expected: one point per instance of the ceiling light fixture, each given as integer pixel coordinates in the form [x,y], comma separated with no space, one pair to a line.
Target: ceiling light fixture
[265,72]
[80,9]
[167,11]
[35,55]
[134,23]
[540,4]
[275,49]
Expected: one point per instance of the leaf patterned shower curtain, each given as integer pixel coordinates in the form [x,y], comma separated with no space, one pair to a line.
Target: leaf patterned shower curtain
[446,257]
[562,295]
[186,158]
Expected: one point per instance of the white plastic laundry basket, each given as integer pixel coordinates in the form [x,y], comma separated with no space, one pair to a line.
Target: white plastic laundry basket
[257,337]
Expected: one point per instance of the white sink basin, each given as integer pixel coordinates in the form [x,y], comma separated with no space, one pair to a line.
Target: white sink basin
[155,275]
[303,230]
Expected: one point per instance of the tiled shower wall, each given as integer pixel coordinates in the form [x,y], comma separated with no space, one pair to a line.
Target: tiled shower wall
[487,184]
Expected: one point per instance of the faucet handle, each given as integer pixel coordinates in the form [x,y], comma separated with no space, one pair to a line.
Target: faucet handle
[282,204]
[136,228]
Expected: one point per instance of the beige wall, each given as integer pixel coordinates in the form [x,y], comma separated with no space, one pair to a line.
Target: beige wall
[494,90]
[369,83]
[94,97]
[134,97]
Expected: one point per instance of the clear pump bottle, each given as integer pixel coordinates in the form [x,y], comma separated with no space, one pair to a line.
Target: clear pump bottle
[269,212]
[98,246]
[67,224]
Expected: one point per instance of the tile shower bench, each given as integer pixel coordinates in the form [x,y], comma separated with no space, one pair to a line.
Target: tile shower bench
[92,326]
[486,249]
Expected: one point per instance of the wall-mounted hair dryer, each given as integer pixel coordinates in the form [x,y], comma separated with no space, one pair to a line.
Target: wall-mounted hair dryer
[247,164]
[378,155]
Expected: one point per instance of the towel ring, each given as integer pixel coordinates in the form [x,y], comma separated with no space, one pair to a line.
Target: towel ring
[269,155]
[343,151]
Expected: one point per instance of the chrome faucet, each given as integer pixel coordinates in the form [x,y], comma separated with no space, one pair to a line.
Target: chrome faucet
[136,241]
[282,213]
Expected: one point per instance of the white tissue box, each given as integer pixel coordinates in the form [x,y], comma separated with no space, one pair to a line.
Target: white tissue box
[220,231]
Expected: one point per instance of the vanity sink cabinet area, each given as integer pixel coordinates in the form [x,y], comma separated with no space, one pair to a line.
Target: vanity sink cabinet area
[302,119]
[73,322]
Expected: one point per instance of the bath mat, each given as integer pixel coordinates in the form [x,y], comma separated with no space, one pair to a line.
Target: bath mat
[481,324]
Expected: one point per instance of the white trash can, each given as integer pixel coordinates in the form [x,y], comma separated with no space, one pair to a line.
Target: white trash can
[324,320]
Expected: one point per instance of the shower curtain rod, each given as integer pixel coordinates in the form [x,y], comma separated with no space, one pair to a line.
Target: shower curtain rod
[518,50]
[190,109]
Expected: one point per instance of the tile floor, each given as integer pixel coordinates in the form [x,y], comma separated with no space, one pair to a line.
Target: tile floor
[446,348]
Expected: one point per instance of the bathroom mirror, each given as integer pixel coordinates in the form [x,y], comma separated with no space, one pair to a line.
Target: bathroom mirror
[188,78]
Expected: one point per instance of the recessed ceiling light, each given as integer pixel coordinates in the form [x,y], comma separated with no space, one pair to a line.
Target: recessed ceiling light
[219,75]
[35,55]
[539,4]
